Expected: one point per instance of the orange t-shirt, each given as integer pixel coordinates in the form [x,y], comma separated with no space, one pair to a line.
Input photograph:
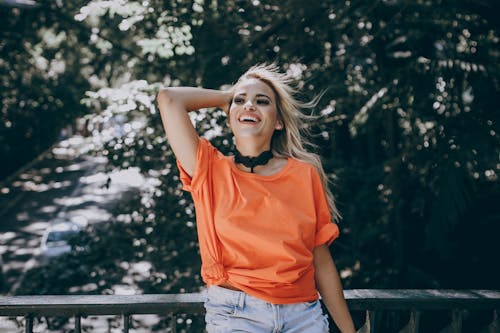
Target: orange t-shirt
[258,232]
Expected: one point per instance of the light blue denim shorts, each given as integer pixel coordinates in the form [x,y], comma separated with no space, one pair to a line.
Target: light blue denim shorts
[234,311]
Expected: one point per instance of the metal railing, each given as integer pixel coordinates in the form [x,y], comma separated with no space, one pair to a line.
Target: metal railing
[372,302]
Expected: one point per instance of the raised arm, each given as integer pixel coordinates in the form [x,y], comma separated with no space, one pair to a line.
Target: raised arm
[330,289]
[174,104]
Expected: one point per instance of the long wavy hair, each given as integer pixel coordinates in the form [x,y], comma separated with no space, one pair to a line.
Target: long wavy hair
[291,140]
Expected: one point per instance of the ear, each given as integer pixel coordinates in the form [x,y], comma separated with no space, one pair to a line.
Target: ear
[279,125]
[226,108]
[228,119]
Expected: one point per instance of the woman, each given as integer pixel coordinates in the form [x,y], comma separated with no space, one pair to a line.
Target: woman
[264,214]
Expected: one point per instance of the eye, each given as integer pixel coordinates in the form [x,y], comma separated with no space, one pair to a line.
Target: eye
[263,102]
[238,100]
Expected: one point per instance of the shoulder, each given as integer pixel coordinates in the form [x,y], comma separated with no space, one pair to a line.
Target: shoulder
[204,144]
[305,170]
[207,150]
[302,166]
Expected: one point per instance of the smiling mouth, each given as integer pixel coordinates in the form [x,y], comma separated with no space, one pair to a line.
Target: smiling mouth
[248,119]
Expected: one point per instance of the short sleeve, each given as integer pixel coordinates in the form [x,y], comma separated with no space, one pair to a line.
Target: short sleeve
[326,230]
[327,234]
[204,155]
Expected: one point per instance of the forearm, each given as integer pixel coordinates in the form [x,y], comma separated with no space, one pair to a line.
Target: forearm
[330,289]
[191,98]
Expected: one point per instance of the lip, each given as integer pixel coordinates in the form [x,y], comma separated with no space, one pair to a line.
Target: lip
[253,116]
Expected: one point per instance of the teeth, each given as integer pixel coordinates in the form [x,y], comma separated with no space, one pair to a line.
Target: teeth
[248,118]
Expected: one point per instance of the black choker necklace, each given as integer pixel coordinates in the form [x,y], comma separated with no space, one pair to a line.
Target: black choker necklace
[252,162]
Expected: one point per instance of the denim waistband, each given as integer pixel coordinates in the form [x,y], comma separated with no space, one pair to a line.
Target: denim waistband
[234,297]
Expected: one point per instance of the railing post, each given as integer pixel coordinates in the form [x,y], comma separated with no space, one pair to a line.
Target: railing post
[78,324]
[413,323]
[456,325]
[369,325]
[494,326]
[173,323]
[415,320]
[371,318]
[126,323]
[28,324]
[456,322]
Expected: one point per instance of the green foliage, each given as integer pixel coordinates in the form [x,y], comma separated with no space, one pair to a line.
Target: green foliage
[408,128]
[40,88]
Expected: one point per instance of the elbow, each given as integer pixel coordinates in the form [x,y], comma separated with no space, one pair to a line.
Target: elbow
[164,97]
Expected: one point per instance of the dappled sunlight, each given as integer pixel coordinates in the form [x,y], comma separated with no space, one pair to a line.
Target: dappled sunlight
[89,287]
[7,236]
[93,214]
[17,248]
[91,205]
[45,171]
[124,289]
[21,239]
[23,216]
[70,147]
[62,152]
[348,272]
[129,177]
[49,209]
[33,243]
[26,176]
[136,272]
[72,167]
[68,185]
[76,201]
[36,227]
[32,186]
[8,325]
[24,252]
[140,270]
[17,183]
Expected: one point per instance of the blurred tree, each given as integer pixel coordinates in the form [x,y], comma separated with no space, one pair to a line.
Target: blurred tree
[407,127]
[42,81]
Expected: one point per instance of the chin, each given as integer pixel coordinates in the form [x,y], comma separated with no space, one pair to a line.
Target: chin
[248,133]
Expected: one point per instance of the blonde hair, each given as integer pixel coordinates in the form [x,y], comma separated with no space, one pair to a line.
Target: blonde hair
[290,142]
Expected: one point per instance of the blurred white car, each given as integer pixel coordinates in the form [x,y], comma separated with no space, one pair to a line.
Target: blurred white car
[55,239]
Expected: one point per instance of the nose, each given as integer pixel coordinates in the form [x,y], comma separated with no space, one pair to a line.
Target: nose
[248,105]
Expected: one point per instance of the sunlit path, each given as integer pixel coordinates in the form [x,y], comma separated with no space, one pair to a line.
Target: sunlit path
[68,183]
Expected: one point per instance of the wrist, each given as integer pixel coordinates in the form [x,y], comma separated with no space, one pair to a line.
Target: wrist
[227,97]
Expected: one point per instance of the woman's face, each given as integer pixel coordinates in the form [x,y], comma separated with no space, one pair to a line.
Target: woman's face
[253,111]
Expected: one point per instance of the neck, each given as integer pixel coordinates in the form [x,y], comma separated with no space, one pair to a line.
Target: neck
[252,148]
[253,161]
